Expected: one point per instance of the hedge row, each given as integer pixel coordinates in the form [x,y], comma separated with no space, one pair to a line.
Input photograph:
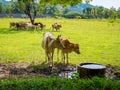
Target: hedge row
[59,84]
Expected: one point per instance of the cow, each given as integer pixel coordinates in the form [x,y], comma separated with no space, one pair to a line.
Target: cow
[49,43]
[29,25]
[32,26]
[12,24]
[69,47]
[21,25]
[41,25]
[56,26]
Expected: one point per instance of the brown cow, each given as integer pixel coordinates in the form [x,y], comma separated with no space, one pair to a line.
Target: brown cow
[56,26]
[31,26]
[35,27]
[21,25]
[41,25]
[69,47]
[12,24]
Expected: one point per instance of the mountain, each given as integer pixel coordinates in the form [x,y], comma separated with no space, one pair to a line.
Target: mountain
[4,2]
[80,7]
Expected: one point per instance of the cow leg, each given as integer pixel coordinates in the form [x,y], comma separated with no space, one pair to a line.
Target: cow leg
[52,57]
[67,58]
[49,58]
[46,56]
[58,55]
[63,57]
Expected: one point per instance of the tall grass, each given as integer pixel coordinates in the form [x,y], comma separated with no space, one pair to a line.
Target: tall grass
[99,41]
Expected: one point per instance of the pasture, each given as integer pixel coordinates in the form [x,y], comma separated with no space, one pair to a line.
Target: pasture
[99,41]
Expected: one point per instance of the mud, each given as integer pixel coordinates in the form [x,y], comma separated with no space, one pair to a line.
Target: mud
[9,70]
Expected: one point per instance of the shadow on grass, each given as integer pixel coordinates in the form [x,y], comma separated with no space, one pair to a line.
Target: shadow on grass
[14,31]
[9,31]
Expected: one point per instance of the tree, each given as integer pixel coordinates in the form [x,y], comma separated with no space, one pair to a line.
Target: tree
[18,7]
[48,9]
[31,5]
[0,7]
[100,12]
[118,12]
[112,13]
[87,1]
[72,14]
[65,10]
[89,12]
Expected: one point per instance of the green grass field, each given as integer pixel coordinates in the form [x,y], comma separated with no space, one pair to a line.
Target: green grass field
[99,41]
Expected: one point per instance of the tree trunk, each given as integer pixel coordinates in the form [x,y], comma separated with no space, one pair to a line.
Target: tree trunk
[32,21]
[28,12]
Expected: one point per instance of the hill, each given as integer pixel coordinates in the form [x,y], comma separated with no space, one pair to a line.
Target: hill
[80,7]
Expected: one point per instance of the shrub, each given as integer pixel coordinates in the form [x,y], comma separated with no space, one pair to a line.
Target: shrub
[60,84]
[72,14]
[78,17]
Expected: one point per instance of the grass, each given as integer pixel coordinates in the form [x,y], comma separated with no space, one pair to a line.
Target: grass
[59,84]
[99,41]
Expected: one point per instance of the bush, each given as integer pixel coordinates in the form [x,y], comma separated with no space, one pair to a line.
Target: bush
[58,17]
[59,84]
[72,14]
[78,17]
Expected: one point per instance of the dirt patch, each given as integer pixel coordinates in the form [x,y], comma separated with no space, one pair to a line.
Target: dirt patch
[9,70]
[112,72]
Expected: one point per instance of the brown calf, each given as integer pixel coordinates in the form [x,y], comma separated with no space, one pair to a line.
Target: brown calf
[56,26]
[69,47]
[41,25]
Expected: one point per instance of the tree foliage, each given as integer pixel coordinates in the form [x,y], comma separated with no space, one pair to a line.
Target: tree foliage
[99,12]
[118,12]
[31,5]
[61,2]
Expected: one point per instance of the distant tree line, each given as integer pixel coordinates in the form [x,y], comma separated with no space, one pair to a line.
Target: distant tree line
[93,13]
[101,12]
[56,11]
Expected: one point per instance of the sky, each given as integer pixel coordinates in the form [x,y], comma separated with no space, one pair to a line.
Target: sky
[106,3]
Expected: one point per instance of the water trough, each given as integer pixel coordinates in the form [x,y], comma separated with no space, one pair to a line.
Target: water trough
[87,70]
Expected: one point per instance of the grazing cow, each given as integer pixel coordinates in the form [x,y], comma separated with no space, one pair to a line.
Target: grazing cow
[41,25]
[56,26]
[49,43]
[21,25]
[32,26]
[28,25]
[69,47]
[12,24]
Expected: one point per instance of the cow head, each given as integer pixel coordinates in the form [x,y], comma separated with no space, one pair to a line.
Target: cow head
[76,48]
[59,43]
